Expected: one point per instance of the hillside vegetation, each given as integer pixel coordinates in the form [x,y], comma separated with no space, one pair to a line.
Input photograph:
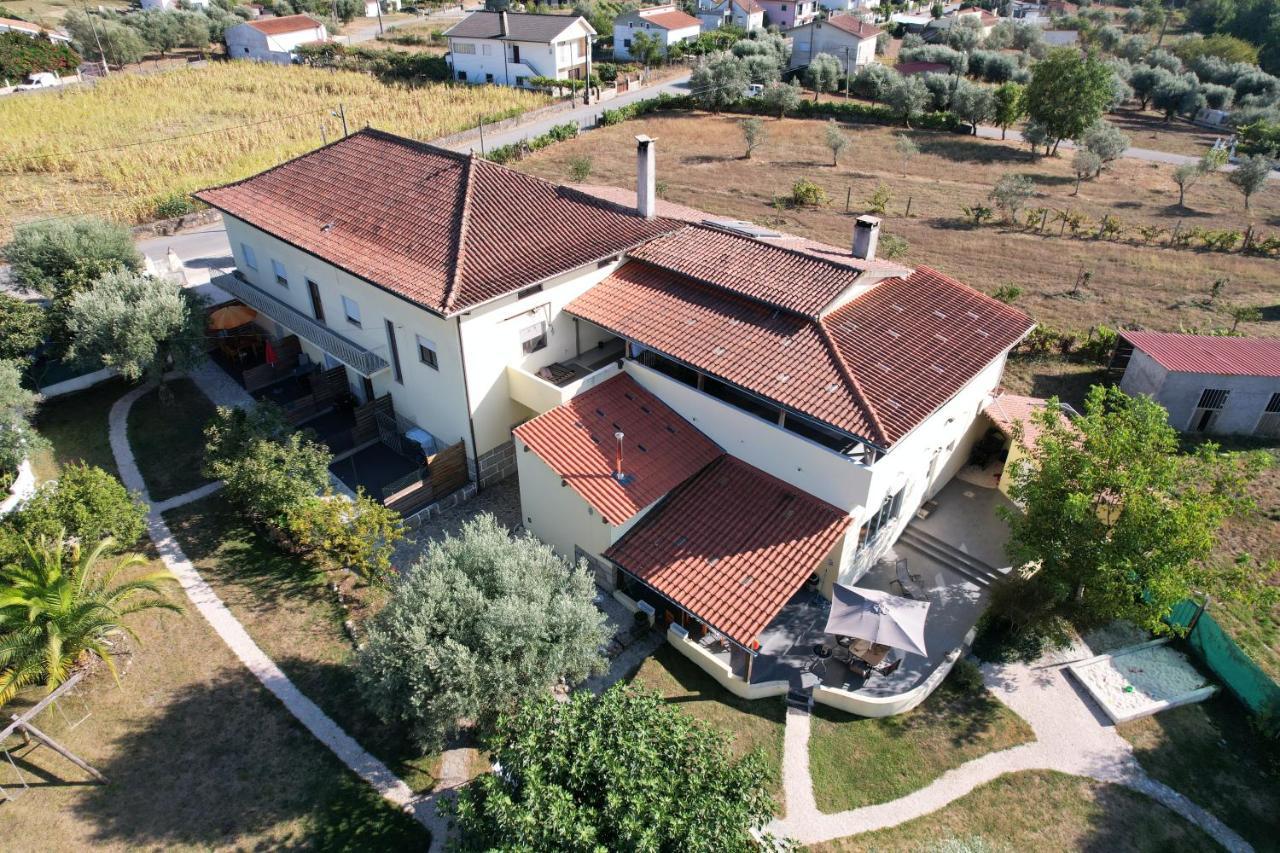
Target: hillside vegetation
[63,152]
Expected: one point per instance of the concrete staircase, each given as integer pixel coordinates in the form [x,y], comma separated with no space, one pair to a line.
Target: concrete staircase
[953,558]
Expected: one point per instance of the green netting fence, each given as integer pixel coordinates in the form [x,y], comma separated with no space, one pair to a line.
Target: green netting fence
[1225,659]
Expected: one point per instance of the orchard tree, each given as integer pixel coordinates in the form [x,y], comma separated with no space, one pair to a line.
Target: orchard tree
[1186,175]
[1119,522]
[835,139]
[822,75]
[781,98]
[1068,93]
[1105,141]
[138,324]
[973,103]
[480,622]
[907,98]
[594,773]
[1250,175]
[873,81]
[1011,193]
[59,257]
[907,150]
[1010,106]
[719,82]
[1085,164]
[753,134]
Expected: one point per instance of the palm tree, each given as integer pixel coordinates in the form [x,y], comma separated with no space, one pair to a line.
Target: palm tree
[57,609]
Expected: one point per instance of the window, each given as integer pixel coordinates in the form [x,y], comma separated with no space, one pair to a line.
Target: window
[352,310]
[488,78]
[529,291]
[1212,401]
[486,50]
[626,42]
[520,81]
[395,351]
[462,75]
[427,353]
[468,49]
[674,369]
[1269,423]
[534,337]
[250,259]
[883,518]
[282,277]
[317,307]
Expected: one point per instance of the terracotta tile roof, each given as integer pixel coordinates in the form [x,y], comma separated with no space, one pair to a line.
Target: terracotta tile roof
[1007,410]
[24,26]
[731,546]
[669,18]
[749,7]
[1208,354]
[660,449]
[875,368]
[913,343]
[854,26]
[286,24]
[439,228]
[778,355]
[543,29]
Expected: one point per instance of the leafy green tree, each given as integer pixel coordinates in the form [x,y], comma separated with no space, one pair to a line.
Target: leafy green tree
[121,45]
[138,324]
[23,327]
[271,477]
[233,430]
[86,504]
[1068,93]
[1146,79]
[594,773]
[1227,48]
[60,256]
[480,622]
[753,134]
[1106,141]
[835,139]
[1085,164]
[58,609]
[1250,175]
[1120,523]
[1178,95]
[1035,135]
[781,98]
[17,437]
[873,80]
[822,75]
[1010,106]
[973,103]
[907,98]
[359,536]
[1011,193]
[646,49]
[21,55]
[718,82]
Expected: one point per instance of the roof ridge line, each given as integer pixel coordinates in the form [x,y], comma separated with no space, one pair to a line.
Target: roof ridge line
[459,256]
[788,249]
[855,386]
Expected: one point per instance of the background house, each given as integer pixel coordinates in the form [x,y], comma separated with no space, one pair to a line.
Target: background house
[274,39]
[26,28]
[1207,384]
[509,49]
[786,15]
[666,23]
[846,37]
[744,14]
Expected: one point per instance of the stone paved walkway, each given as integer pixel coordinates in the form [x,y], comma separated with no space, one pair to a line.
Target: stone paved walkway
[424,809]
[1072,736]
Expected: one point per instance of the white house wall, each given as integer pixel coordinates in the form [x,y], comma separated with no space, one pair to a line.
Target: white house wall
[624,31]
[1180,392]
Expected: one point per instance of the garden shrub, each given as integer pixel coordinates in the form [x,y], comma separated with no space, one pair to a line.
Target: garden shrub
[359,535]
[966,676]
[17,437]
[86,503]
[232,430]
[805,192]
[271,477]
[1100,344]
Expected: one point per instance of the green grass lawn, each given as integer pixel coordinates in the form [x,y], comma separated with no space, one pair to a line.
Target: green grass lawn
[76,429]
[1038,810]
[749,724]
[168,440]
[285,604]
[1211,753]
[859,761]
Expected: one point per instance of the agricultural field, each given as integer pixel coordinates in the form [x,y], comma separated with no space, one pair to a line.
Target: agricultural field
[98,150]
[50,12]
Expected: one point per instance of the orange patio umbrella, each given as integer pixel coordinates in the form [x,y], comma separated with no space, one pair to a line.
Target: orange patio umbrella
[231,317]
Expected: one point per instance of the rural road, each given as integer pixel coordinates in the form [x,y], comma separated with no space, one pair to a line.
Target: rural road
[367,29]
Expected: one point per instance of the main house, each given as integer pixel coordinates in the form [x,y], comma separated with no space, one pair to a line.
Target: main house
[274,39]
[846,37]
[668,24]
[510,49]
[744,14]
[710,413]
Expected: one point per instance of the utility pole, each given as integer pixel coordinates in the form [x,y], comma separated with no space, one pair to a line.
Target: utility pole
[106,71]
[481,136]
[381,29]
[846,72]
[586,96]
[342,114]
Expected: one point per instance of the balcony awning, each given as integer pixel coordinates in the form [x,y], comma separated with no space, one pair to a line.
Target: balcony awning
[363,361]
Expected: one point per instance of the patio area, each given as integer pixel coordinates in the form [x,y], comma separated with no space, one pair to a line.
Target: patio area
[378,469]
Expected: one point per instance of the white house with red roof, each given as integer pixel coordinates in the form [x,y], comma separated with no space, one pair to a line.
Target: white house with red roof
[668,24]
[274,39]
[26,28]
[847,37]
[712,414]
[510,49]
[744,14]
[1208,384]
[785,14]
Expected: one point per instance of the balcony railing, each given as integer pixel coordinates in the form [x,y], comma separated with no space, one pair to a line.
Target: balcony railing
[536,393]
[363,361]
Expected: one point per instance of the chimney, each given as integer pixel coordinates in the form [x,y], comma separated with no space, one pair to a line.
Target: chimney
[617,462]
[646,178]
[866,234]
[502,22]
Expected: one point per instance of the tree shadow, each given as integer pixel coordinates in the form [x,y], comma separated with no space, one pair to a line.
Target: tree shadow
[697,686]
[705,159]
[220,761]
[1176,210]
[1270,314]
[960,149]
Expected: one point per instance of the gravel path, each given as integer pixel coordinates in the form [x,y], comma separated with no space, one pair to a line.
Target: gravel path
[206,601]
[1072,736]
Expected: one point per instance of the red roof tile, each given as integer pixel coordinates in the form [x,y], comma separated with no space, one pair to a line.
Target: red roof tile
[442,229]
[1206,354]
[731,546]
[670,19]
[1008,410]
[854,26]
[286,24]
[660,449]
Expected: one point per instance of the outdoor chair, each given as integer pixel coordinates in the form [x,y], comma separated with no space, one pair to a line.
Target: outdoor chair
[907,582]
[891,668]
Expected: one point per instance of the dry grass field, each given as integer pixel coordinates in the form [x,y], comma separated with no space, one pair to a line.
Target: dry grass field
[700,163]
[104,149]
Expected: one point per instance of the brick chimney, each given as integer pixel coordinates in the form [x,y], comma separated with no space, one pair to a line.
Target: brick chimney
[502,22]
[866,234]
[646,177]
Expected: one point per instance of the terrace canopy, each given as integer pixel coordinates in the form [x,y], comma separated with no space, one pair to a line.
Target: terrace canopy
[879,617]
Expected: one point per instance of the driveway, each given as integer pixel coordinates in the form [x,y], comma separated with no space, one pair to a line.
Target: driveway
[367,29]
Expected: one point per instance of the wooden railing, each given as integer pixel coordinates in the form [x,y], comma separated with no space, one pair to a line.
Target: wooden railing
[444,473]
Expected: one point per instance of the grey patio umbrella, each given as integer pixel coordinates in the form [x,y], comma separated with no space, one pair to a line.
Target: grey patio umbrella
[869,614]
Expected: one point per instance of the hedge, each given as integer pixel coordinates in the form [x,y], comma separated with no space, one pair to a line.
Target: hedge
[510,153]
[847,111]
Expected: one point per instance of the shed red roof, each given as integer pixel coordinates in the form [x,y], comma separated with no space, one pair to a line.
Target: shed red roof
[731,546]
[670,19]
[1206,354]
[660,449]
[286,24]
[854,26]
[441,229]
[1009,410]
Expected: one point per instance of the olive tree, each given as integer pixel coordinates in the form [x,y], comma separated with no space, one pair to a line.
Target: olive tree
[719,82]
[973,103]
[1250,175]
[1085,164]
[781,98]
[835,139]
[822,75]
[1010,193]
[59,256]
[753,134]
[907,98]
[1106,141]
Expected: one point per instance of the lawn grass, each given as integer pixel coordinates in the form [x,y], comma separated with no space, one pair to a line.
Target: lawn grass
[860,761]
[1038,810]
[749,724]
[1211,753]
[168,438]
[700,164]
[199,756]
[285,604]
[75,426]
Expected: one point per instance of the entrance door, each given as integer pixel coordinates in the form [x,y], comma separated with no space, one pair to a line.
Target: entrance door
[366,385]
[317,307]
[515,53]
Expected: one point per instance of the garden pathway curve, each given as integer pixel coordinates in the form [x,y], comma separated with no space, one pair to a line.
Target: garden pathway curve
[423,809]
[1072,737]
